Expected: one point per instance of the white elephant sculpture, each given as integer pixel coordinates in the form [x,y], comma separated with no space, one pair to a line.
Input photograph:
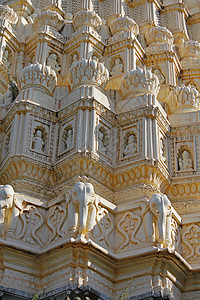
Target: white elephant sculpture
[6,208]
[82,208]
[158,220]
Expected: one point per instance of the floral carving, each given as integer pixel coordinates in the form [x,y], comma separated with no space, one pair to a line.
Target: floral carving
[86,17]
[124,24]
[41,76]
[159,35]
[50,18]
[139,81]
[191,238]
[90,71]
[188,96]
[128,227]
[190,49]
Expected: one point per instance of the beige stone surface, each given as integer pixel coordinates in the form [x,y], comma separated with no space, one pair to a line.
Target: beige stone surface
[100,149]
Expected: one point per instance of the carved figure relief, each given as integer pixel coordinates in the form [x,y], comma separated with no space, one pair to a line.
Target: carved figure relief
[6,58]
[158,219]
[128,227]
[52,61]
[67,138]
[184,159]
[130,144]
[82,208]
[20,62]
[118,67]
[38,141]
[10,211]
[102,140]
[160,75]
[163,154]
[6,205]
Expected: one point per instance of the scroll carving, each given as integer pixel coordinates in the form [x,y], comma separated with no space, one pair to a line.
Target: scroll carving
[128,227]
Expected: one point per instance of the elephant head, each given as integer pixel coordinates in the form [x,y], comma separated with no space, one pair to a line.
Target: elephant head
[160,207]
[6,204]
[82,208]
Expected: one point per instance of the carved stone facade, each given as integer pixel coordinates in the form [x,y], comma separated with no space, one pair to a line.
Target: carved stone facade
[99,149]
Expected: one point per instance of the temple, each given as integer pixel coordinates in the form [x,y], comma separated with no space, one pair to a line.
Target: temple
[99,149]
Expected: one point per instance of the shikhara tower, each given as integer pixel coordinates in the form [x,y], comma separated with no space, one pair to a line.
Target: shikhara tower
[100,138]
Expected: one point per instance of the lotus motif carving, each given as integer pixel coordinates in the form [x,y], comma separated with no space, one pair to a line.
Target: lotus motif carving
[86,17]
[50,18]
[124,24]
[37,75]
[90,71]
[139,82]
[159,35]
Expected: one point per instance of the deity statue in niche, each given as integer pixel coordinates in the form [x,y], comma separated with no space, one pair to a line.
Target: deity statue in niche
[69,139]
[52,62]
[38,142]
[20,62]
[5,58]
[185,161]
[74,58]
[160,76]
[131,147]
[117,68]
[101,146]
[163,150]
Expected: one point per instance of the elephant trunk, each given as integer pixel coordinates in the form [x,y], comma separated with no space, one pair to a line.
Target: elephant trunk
[161,223]
[83,212]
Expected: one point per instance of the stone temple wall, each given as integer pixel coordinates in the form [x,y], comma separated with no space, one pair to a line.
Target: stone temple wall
[100,149]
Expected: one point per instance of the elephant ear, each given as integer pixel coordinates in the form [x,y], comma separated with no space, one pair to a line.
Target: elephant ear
[68,196]
[19,200]
[144,206]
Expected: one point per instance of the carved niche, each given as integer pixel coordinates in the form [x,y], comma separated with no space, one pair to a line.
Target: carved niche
[53,62]
[185,161]
[163,148]
[39,140]
[117,66]
[67,133]
[5,58]
[129,142]
[103,141]
[20,62]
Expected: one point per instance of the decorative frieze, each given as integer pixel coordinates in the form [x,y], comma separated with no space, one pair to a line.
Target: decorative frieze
[100,155]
